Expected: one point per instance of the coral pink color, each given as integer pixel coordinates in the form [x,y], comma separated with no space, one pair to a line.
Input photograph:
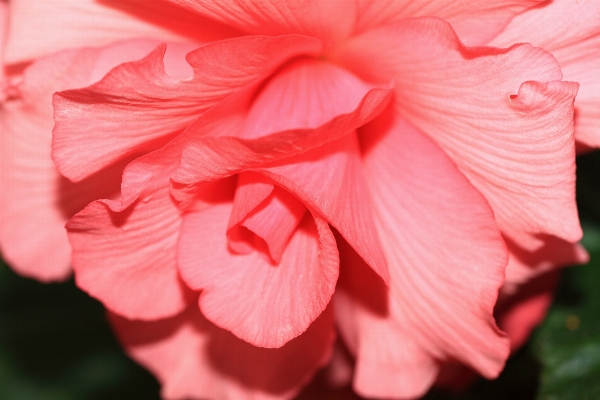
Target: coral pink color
[243,181]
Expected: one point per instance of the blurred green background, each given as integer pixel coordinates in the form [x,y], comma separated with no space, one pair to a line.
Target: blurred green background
[56,345]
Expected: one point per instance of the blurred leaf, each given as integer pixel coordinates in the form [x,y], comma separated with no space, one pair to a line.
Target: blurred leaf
[55,344]
[568,342]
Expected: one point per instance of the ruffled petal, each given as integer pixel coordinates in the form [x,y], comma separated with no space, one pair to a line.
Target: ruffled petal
[252,189]
[511,136]
[321,104]
[264,304]
[390,363]
[98,23]
[207,158]
[574,42]
[281,17]
[143,258]
[304,94]
[329,179]
[272,217]
[446,260]
[147,107]
[474,22]
[192,358]
[36,201]
[140,176]
[127,257]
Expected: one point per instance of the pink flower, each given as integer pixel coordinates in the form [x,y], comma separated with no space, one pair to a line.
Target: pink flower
[271,147]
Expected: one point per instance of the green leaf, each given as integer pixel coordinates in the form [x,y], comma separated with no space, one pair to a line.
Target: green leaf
[568,342]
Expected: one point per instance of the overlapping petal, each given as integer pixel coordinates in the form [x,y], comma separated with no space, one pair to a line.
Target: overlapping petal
[324,177]
[208,158]
[147,107]
[36,201]
[120,252]
[446,260]
[192,358]
[333,21]
[145,202]
[265,216]
[474,22]
[574,42]
[265,304]
[312,18]
[389,364]
[502,115]
[329,180]
[239,159]
[99,23]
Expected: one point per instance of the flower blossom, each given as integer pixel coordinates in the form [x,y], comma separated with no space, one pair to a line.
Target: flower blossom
[244,181]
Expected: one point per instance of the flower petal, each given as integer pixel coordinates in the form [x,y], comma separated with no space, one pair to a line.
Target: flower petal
[445,256]
[272,218]
[127,258]
[140,176]
[303,94]
[98,23]
[512,137]
[474,22]
[192,358]
[574,42]
[142,257]
[329,180]
[36,201]
[3,31]
[322,114]
[264,304]
[390,363]
[312,18]
[151,107]
[311,95]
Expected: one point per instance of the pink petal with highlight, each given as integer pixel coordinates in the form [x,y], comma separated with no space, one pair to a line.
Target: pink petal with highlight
[329,179]
[474,22]
[574,42]
[389,362]
[303,94]
[99,23]
[264,304]
[127,257]
[147,107]
[206,157]
[193,358]
[446,261]
[35,200]
[271,222]
[312,18]
[511,136]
